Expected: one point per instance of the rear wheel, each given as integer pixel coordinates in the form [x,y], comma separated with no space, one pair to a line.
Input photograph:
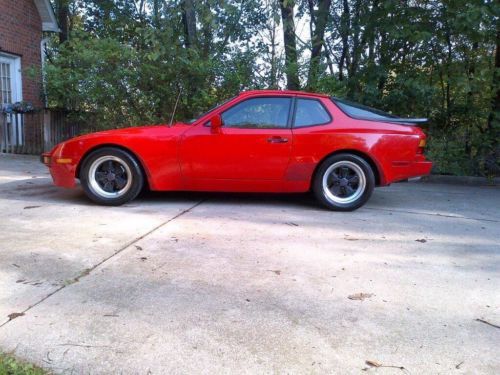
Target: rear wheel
[344,182]
[111,176]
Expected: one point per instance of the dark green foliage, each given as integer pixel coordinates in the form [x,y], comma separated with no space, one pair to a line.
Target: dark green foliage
[126,61]
[127,67]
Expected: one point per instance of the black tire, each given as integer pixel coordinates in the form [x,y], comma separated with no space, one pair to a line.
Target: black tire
[341,191]
[111,176]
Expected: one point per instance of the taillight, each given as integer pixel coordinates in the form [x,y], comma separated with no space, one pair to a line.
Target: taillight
[421,145]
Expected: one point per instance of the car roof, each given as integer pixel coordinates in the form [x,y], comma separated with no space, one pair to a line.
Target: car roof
[281,92]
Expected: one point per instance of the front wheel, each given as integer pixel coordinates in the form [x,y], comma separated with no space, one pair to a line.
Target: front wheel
[111,176]
[344,182]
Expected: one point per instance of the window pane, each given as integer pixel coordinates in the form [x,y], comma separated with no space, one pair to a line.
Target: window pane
[310,112]
[361,111]
[258,113]
[5,84]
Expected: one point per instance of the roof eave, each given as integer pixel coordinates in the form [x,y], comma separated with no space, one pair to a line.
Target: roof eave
[49,21]
[50,27]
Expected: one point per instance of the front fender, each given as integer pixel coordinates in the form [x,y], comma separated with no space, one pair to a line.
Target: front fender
[155,148]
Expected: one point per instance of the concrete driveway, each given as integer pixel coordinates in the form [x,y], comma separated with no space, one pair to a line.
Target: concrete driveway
[218,283]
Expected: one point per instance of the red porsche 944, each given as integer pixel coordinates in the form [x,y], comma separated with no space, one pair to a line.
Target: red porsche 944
[259,141]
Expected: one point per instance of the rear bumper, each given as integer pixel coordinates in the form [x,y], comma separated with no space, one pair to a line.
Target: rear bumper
[404,170]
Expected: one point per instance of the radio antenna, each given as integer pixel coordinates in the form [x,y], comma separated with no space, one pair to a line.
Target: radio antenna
[175,109]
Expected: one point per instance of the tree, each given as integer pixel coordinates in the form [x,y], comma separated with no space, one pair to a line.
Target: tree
[319,19]
[291,66]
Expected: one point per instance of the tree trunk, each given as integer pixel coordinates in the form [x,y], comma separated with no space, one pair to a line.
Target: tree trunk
[292,74]
[156,14]
[190,42]
[272,38]
[352,70]
[384,63]
[206,31]
[345,22]
[63,18]
[189,22]
[371,32]
[318,40]
[471,71]
[492,157]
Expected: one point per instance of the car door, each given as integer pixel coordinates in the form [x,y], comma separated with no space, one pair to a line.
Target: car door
[254,143]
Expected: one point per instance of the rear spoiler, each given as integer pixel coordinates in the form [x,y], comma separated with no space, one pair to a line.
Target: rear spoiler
[407,121]
[396,120]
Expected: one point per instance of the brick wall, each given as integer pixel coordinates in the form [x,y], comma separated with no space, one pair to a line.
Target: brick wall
[21,34]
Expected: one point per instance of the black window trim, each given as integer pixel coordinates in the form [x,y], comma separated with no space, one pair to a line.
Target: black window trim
[389,118]
[296,99]
[288,123]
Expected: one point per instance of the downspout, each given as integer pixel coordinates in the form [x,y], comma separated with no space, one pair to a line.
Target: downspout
[46,114]
[43,47]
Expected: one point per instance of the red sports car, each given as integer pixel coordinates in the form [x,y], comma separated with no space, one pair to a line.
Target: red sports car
[259,141]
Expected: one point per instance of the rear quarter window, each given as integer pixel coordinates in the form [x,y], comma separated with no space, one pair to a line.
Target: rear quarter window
[310,112]
[361,111]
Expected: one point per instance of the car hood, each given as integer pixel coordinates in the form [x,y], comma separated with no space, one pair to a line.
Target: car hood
[136,131]
[124,136]
[140,130]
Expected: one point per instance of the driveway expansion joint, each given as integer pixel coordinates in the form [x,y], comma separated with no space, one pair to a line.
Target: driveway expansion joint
[431,214]
[87,271]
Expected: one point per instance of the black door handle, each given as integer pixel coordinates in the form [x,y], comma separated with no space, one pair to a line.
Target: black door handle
[277,140]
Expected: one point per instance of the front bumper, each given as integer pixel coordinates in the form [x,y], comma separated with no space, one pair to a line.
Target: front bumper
[62,170]
[45,158]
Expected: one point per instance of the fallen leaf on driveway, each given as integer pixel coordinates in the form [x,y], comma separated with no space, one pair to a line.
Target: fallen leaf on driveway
[30,207]
[143,258]
[378,364]
[138,247]
[14,315]
[277,272]
[422,240]
[360,296]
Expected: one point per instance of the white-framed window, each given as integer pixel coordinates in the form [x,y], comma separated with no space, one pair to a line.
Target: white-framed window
[11,92]
[10,79]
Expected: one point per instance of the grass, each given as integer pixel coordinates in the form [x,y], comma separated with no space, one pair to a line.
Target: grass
[10,365]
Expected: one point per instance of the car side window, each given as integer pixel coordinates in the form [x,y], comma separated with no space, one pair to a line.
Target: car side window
[259,113]
[310,112]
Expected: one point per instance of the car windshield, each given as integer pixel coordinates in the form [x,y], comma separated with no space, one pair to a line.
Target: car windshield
[210,110]
[361,111]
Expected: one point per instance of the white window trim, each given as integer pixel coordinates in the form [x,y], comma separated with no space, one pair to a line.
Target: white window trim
[16,76]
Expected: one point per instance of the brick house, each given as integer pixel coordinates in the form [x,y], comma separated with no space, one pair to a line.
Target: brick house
[22,27]
[22,23]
